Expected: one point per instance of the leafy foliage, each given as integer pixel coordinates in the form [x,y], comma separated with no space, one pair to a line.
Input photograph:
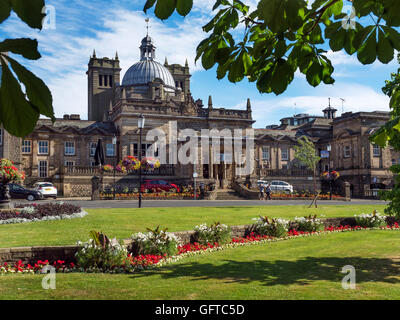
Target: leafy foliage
[154,242]
[306,153]
[101,253]
[36,98]
[215,233]
[281,37]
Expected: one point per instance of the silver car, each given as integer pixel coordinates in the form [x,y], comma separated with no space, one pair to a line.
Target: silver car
[277,185]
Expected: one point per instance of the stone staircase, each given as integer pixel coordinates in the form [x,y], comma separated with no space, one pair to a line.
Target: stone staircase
[228,194]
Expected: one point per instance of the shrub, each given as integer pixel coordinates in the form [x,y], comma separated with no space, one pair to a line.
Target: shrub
[271,227]
[309,224]
[101,253]
[154,242]
[372,220]
[216,233]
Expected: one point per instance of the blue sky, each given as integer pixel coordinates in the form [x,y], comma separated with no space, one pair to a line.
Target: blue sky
[118,25]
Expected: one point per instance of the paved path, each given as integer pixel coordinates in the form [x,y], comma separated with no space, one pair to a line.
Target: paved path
[190,203]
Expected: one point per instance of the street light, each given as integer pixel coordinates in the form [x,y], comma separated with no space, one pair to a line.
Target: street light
[329,148]
[141,121]
[114,142]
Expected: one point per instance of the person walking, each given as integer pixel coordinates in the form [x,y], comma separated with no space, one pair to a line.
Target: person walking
[262,197]
[268,191]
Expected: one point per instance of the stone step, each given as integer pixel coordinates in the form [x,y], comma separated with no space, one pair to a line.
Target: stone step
[228,195]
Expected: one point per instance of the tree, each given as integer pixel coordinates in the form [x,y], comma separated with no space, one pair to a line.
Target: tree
[306,153]
[283,36]
[20,109]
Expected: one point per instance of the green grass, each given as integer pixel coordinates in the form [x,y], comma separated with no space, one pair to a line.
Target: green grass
[301,268]
[122,223]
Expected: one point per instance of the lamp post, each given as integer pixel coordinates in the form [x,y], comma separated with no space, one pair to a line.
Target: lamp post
[114,142]
[195,175]
[141,121]
[329,148]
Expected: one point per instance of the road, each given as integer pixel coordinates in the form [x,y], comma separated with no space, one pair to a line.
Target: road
[190,203]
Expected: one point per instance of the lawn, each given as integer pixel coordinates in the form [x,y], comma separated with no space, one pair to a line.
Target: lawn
[301,268]
[121,223]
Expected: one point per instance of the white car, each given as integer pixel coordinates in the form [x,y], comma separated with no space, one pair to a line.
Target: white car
[47,189]
[277,185]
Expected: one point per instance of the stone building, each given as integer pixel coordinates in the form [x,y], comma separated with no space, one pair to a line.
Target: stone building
[63,152]
[364,165]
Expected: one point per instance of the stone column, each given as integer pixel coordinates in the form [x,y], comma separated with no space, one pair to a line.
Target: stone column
[347,191]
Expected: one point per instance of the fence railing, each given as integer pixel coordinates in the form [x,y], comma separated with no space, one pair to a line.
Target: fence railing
[164,170]
[287,173]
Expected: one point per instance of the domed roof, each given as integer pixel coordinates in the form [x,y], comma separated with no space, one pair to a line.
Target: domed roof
[147,69]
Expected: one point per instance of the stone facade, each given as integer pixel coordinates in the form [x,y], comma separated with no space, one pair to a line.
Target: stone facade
[63,152]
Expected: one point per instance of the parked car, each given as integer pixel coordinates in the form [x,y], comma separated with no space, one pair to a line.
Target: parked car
[277,185]
[47,189]
[159,184]
[260,182]
[19,192]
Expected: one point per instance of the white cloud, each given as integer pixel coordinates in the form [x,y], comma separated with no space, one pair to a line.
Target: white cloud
[66,52]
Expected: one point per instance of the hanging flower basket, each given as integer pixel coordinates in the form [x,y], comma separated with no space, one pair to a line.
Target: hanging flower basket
[9,173]
[150,163]
[129,163]
[120,168]
[332,175]
[107,168]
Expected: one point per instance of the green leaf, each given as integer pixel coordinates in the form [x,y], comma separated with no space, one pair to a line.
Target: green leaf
[36,90]
[148,5]
[394,37]
[17,115]
[164,9]
[314,74]
[280,48]
[246,62]
[30,11]
[338,40]
[5,9]
[392,8]
[208,59]
[384,49]
[367,53]
[28,48]
[236,72]
[282,76]
[349,42]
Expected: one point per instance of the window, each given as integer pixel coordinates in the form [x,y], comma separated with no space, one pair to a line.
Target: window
[376,150]
[26,146]
[69,148]
[93,163]
[265,153]
[110,150]
[393,162]
[111,81]
[42,169]
[92,148]
[43,147]
[145,147]
[100,80]
[347,151]
[69,164]
[284,154]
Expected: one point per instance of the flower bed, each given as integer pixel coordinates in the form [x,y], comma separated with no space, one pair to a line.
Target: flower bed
[41,212]
[286,196]
[149,196]
[142,262]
